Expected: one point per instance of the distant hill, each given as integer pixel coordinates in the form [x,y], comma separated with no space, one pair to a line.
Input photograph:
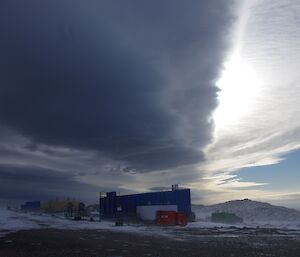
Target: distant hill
[252,212]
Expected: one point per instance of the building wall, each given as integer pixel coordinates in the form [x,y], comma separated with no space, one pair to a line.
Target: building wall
[125,205]
[34,205]
[148,212]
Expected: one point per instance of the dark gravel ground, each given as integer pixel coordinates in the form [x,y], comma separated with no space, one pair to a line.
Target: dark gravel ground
[90,243]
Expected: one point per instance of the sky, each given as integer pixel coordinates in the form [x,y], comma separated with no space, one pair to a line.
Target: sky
[136,95]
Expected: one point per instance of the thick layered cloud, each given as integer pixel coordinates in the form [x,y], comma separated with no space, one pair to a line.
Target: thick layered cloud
[21,183]
[133,80]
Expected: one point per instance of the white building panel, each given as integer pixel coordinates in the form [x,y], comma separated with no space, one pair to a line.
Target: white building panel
[148,212]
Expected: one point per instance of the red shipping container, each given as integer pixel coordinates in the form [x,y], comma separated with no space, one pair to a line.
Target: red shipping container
[182,219]
[166,217]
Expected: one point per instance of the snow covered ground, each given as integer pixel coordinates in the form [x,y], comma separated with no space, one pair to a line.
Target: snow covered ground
[97,237]
[13,221]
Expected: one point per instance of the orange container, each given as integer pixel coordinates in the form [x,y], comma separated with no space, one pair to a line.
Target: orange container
[182,219]
[166,217]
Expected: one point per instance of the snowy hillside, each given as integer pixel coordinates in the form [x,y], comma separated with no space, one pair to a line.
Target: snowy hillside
[252,212]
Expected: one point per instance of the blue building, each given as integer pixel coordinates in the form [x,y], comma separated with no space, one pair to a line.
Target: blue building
[31,206]
[113,205]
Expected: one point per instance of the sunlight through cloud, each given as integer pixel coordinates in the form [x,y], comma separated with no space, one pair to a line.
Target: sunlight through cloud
[239,86]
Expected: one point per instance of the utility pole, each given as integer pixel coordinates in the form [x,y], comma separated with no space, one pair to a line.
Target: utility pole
[99,206]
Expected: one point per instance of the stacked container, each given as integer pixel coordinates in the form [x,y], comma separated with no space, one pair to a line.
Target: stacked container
[171,218]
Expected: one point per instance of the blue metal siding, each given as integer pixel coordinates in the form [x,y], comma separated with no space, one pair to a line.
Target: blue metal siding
[128,203]
[34,205]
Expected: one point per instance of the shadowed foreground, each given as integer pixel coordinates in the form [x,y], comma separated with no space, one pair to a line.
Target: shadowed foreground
[89,243]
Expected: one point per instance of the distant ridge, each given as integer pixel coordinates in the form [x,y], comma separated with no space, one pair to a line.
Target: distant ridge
[252,212]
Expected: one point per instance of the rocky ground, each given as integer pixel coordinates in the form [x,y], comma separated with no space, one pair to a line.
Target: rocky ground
[210,242]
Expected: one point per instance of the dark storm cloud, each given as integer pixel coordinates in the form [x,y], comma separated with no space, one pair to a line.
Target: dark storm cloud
[133,79]
[27,182]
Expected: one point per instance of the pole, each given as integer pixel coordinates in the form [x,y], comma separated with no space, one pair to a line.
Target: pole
[99,206]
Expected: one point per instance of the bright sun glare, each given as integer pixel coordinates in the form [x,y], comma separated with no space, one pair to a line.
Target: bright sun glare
[239,86]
